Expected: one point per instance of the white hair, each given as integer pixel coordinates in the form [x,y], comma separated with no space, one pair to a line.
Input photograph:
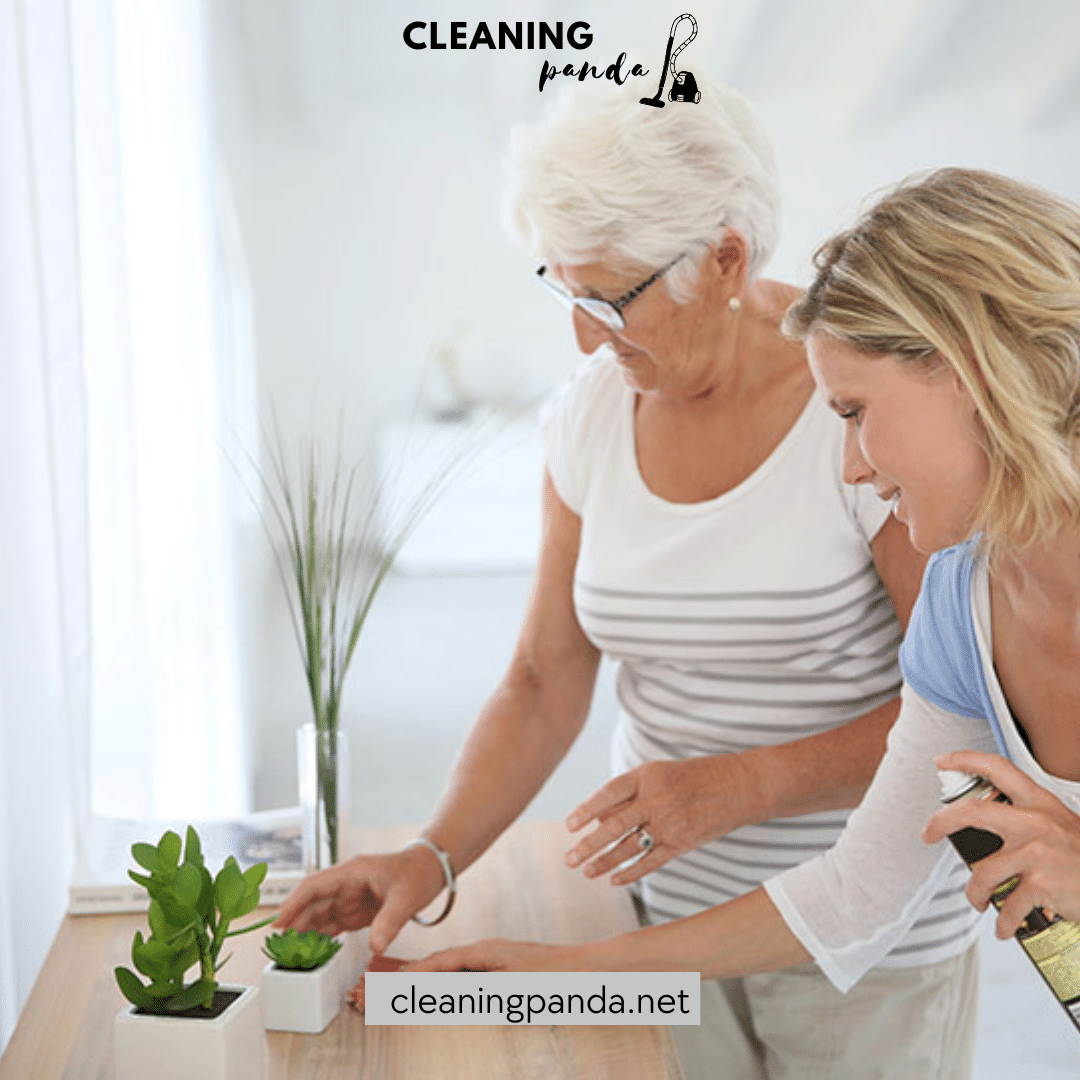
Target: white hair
[604,178]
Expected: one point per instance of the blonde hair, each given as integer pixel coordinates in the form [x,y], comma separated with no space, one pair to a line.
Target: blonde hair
[982,273]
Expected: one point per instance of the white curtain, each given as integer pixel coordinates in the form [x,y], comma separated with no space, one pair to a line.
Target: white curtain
[118,672]
[167,732]
[44,621]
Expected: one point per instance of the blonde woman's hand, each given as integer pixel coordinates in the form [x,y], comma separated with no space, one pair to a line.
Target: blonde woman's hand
[679,805]
[499,954]
[380,891]
[1041,841]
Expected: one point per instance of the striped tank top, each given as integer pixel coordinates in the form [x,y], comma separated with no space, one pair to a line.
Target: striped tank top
[748,620]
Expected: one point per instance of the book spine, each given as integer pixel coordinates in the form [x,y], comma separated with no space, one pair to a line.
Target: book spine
[117,899]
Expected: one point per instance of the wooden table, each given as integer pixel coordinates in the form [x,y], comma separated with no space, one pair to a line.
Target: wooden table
[519,889]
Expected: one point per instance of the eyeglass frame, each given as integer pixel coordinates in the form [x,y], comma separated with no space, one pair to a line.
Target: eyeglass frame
[618,321]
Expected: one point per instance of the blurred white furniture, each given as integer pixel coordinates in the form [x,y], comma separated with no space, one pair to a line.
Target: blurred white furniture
[488,519]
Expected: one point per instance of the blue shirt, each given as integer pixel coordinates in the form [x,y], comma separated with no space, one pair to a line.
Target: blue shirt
[939,657]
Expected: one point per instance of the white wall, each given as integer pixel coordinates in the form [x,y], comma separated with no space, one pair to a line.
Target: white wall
[367,175]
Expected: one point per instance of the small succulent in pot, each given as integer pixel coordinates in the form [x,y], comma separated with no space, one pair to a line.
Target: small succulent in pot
[298,951]
[190,914]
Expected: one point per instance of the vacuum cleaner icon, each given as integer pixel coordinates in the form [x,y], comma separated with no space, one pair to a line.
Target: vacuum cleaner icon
[684,86]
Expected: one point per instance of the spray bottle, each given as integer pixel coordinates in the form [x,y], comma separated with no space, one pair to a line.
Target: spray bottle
[1053,944]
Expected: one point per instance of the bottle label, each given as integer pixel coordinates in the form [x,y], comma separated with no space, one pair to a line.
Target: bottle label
[1053,947]
[1056,952]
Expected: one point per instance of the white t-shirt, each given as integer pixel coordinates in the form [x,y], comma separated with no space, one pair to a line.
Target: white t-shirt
[850,905]
[752,619]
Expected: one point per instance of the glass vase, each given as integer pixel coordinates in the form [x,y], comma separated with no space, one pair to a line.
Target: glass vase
[322,759]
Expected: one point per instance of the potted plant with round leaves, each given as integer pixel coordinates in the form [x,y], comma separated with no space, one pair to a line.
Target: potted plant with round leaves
[176,1029]
[303,985]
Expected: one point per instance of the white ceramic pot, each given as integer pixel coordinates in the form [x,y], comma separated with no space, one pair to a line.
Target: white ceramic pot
[303,1000]
[228,1047]
[354,960]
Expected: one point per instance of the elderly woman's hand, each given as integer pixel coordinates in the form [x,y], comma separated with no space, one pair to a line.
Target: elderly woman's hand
[1041,841]
[677,805]
[380,891]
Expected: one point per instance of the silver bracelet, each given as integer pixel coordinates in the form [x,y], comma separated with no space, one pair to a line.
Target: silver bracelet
[448,874]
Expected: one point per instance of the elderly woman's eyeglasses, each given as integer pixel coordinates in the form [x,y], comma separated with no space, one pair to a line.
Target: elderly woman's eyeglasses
[608,312]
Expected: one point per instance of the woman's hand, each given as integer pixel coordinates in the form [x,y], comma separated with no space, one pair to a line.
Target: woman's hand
[498,954]
[380,891]
[680,804]
[1041,841]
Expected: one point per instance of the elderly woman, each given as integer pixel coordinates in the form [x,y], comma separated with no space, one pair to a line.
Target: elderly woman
[945,329]
[698,532]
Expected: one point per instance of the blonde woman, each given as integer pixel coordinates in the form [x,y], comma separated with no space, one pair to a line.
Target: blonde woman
[944,328]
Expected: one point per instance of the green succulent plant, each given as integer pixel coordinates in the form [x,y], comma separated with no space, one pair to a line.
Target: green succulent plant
[190,913]
[300,951]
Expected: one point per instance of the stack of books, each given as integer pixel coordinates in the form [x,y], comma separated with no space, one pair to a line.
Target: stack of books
[100,883]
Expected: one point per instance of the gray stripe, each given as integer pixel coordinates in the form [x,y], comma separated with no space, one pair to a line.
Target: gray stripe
[665,872]
[672,894]
[730,727]
[791,823]
[666,749]
[776,845]
[926,946]
[868,631]
[770,661]
[785,826]
[795,594]
[662,914]
[735,620]
[686,747]
[888,650]
[947,916]
[855,624]
[688,858]
[727,729]
[766,703]
[610,642]
[784,677]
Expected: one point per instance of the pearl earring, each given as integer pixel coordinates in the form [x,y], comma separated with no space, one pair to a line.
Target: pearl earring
[734,304]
